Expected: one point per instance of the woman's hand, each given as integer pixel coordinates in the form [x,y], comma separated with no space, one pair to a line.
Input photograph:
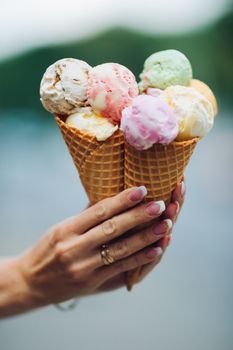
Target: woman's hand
[171,212]
[67,263]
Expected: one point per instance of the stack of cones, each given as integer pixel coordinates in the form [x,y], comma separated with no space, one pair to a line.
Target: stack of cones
[106,168]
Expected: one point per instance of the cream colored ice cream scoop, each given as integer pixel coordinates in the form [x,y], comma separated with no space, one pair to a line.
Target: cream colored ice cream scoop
[63,88]
[205,90]
[193,110]
[92,124]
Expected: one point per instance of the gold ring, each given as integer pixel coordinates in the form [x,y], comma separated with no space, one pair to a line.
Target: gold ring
[105,255]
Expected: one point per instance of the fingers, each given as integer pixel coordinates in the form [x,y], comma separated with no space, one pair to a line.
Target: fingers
[136,260]
[164,242]
[146,269]
[74,250]
[113,283]
[122,223]
[179,193]
[172,211]
[128,246]
[177,201]
[107,208]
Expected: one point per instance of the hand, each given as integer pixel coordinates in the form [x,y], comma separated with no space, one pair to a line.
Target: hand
[171,213]
[66,263]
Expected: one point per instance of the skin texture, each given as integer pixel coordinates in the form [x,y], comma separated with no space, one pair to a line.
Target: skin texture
[66,262]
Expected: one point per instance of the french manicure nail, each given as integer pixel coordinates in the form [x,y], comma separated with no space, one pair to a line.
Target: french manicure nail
[177,207]
[163,227]
[153,252]
[182,188]
[137,194]
[155,208]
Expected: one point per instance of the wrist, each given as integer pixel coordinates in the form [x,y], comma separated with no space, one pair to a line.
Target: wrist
[16,296]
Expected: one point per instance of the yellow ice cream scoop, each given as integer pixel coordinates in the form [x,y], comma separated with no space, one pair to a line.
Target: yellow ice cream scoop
[205,91]
[194,112]
[91,123]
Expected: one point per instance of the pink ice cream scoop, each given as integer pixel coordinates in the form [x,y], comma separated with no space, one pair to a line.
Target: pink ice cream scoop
[147,121]
[111,88]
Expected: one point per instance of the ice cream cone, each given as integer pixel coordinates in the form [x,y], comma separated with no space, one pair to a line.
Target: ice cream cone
[159,168]
[100,164]
[106,168]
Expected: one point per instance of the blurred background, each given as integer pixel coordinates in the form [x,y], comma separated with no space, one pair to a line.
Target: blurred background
[186,303]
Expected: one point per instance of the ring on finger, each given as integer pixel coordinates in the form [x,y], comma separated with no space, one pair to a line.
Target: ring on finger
[106,256]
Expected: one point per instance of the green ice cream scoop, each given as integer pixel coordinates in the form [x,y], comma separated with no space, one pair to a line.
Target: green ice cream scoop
[165,68]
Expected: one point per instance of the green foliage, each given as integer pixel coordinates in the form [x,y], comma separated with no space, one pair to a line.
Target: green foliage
[210,52]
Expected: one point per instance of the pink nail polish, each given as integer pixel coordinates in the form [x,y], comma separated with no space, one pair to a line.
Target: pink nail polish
[137,194]
[153,252]
[155,208]
[162,227]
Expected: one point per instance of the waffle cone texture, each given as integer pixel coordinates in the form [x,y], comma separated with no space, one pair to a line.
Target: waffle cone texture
[100,164]
[160,169]
[106,168]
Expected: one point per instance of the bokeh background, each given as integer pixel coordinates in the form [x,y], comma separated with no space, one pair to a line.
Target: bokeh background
[186,303]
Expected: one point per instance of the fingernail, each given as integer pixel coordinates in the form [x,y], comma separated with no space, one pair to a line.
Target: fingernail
[137,194]
[177,207]
[153,252]
[169,238]
[182,188]
[162,227]
[155,208]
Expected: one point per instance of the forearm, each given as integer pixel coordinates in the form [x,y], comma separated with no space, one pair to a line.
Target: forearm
[15,295]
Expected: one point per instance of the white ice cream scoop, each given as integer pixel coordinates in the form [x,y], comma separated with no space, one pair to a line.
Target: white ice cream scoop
[63,88]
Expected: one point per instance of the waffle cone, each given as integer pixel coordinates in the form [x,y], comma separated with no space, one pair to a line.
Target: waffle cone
[159,168]
[106,168]
[100,164]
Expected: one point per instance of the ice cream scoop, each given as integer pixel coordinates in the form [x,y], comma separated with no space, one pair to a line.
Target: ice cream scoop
[206,91]
[90,123]
[148,120]
[111,88]
[193,111]
[63,88]
[165,68]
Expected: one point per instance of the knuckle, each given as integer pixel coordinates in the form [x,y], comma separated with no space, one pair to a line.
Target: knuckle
[120,249]
[120,266]
[76,272]
[109,227]
[100,210]
[146,237]
[138,213]
[55,233]
[137,259]
[71,273]
[60,253]
[123,199]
